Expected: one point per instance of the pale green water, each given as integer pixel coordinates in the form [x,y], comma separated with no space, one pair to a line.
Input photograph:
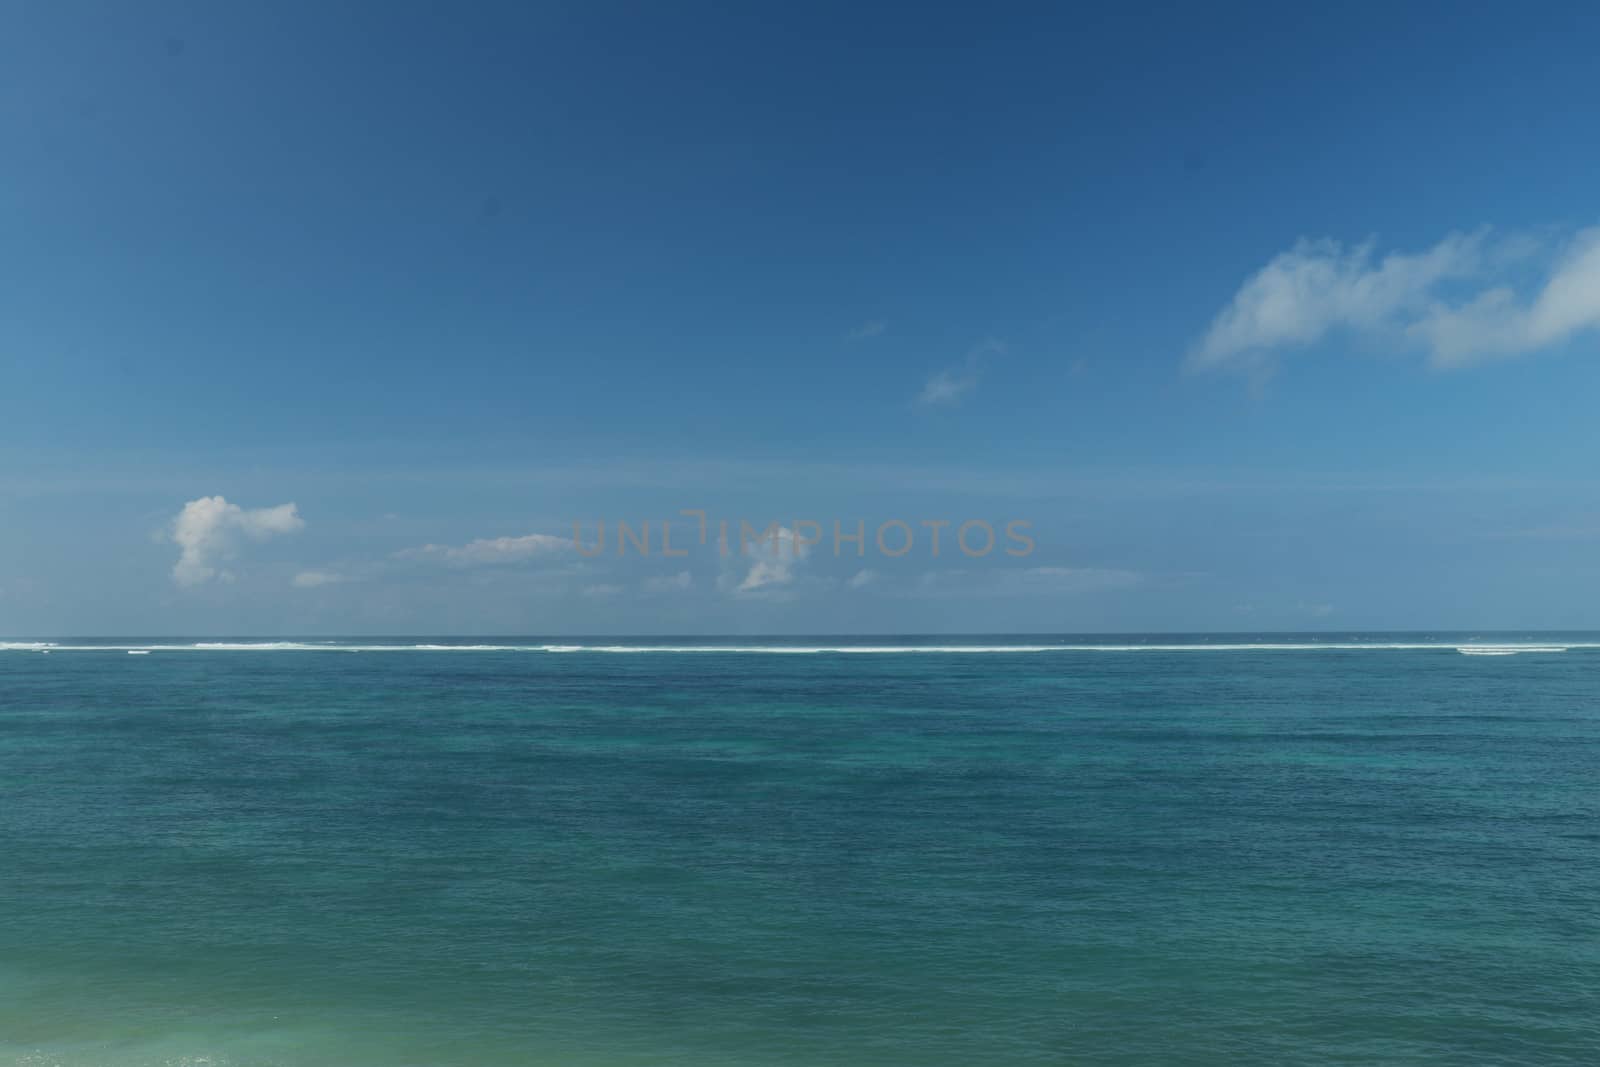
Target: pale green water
[517,857]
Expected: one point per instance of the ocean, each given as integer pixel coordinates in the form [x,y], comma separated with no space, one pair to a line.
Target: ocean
[915,851]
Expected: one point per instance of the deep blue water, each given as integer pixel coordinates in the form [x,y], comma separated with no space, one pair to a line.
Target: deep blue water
[1224,855]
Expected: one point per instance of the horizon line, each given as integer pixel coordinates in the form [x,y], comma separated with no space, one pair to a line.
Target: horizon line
[836,635]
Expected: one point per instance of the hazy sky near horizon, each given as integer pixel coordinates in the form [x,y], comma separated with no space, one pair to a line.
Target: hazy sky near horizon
[334,319]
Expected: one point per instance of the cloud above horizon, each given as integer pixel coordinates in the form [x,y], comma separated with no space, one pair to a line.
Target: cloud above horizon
[772,561]
[947,387]
[318,579]
[1027,581]
[489,551]
[668,583]
[1468,299]
[208,532]
[861,579]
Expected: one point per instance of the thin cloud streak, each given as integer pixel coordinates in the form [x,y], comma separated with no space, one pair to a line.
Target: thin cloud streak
[489,551]
[947,387]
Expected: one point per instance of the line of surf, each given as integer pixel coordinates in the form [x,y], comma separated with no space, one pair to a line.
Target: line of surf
[820,649]
[1512,650]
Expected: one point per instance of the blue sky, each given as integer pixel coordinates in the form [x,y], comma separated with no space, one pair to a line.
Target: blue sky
[1261,317]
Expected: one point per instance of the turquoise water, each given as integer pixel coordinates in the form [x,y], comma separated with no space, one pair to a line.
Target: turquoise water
[1366,850]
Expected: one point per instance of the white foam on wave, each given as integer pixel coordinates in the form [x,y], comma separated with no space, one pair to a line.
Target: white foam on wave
[472,648]
[252,646]
[26,646]
[1510,650]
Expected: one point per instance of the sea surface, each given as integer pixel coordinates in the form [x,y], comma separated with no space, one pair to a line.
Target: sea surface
[917,851]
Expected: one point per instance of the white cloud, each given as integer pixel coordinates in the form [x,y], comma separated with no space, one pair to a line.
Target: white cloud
[1456,300]
[946,387]
[208,531]
[870,328]
[771,559]
[862,578]
[669,583]
[1496,323]
[317,579]
[489,551]
[602,591]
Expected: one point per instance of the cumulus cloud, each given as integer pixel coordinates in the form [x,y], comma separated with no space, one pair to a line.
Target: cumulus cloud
[768,562]
[947,387]
[208,532]
[668,583]
[1456,301]
[489,551]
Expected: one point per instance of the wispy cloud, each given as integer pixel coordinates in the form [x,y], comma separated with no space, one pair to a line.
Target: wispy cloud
[208,531]
[602,591]
[870,328]
[1076,579]
[1457,301]
[1498,322]
[1026,581]
[862,578]
[668,583]
[947,387]
[317,579]
[490,551]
